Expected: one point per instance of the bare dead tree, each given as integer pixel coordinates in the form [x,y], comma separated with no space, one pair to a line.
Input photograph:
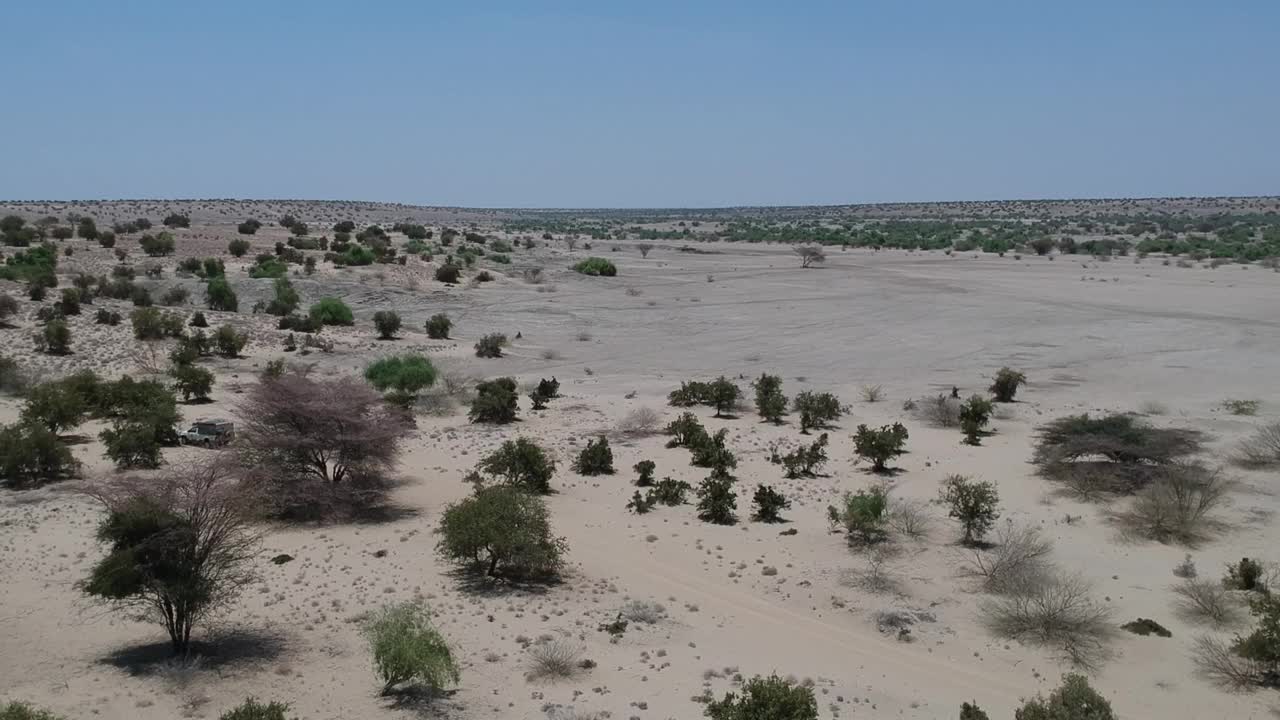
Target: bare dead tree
[181,546]
[810,254]
[310,442]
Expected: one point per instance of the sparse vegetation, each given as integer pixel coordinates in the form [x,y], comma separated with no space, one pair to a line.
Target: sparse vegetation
[490,346]
[595,266]
[975,413]
[1006,384]
[766,698]
[438,326]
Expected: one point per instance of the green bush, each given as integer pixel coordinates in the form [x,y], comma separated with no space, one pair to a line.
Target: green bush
[175,296]
[387,323]
[69,302]
[268,267]
[712,451]
[596,266]
[717,500]
[132,444]
[106,317]
[251,709]
[970,711]
[504,531]
[239,247]
[219,295]
[228,342]
[152,324]
[1006,384]
[331,311]
[690,393]
[976,505]
[106,239]
[1121,450]
[23,711]
[1074,700]
[645,470]
[286,298]
[192,382]
[816,410]
[670,492]
[762,698]
[770,402]
[806,459]
[298,323]
[520,463]
[175,220]
[157,245]
[880,446]
[686,431]
[438,326]
[769,504]
[406,648]
[495,402]
[1245,575]
[448,273]
[57,406]
[595,459]
[54,339]
[975,413]
[864,514]
[31,455]
[198,320]
[403,375]
[490,346]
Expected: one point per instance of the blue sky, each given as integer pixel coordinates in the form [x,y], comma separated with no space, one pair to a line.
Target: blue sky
[641,104]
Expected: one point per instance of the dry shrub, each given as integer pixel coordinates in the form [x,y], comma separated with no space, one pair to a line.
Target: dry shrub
[872,393]
[1055,610]
[878,577]
[910,518]
[1206,601]
[1018,558]
[1177,507]
[1218,661]
[641,421]
[555,659]
[1261,449]
[939,411]
[641,611]
[1117,453]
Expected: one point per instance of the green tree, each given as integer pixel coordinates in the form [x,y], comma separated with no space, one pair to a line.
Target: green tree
[495,402]
[31,455]
[771,698]
[503,530]
[880,446]
[438,326]
[976,505]
[387,323]
[595,459]
[55,338]
[864,514]
[286,298]
[57,406]
[331,311]
[816,410]
[406,648]
[192,382]
[219,295]
[521,463]
[403,375]
[770,402]
[1074,700]
[179,548]
[769,504]
[717,500]
[1006,384]
[229,342]
[975,413]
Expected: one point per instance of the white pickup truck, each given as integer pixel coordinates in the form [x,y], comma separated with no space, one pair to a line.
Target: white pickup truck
[208,433]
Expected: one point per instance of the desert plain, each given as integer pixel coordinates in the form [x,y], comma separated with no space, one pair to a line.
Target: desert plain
[894,631]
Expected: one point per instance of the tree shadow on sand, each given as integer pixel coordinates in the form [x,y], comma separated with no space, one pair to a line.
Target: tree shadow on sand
[218,650]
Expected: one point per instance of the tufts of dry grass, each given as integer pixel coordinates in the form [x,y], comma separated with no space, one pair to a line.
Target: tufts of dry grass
[640,421]
[1261,449]
[1206,601]
[554,659]
[1054,610]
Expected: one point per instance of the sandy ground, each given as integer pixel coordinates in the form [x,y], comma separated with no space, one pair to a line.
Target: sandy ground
[1102,336]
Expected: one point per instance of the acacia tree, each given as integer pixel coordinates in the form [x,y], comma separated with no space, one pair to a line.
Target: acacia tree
[810,254]
[180,547]
[304,439]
